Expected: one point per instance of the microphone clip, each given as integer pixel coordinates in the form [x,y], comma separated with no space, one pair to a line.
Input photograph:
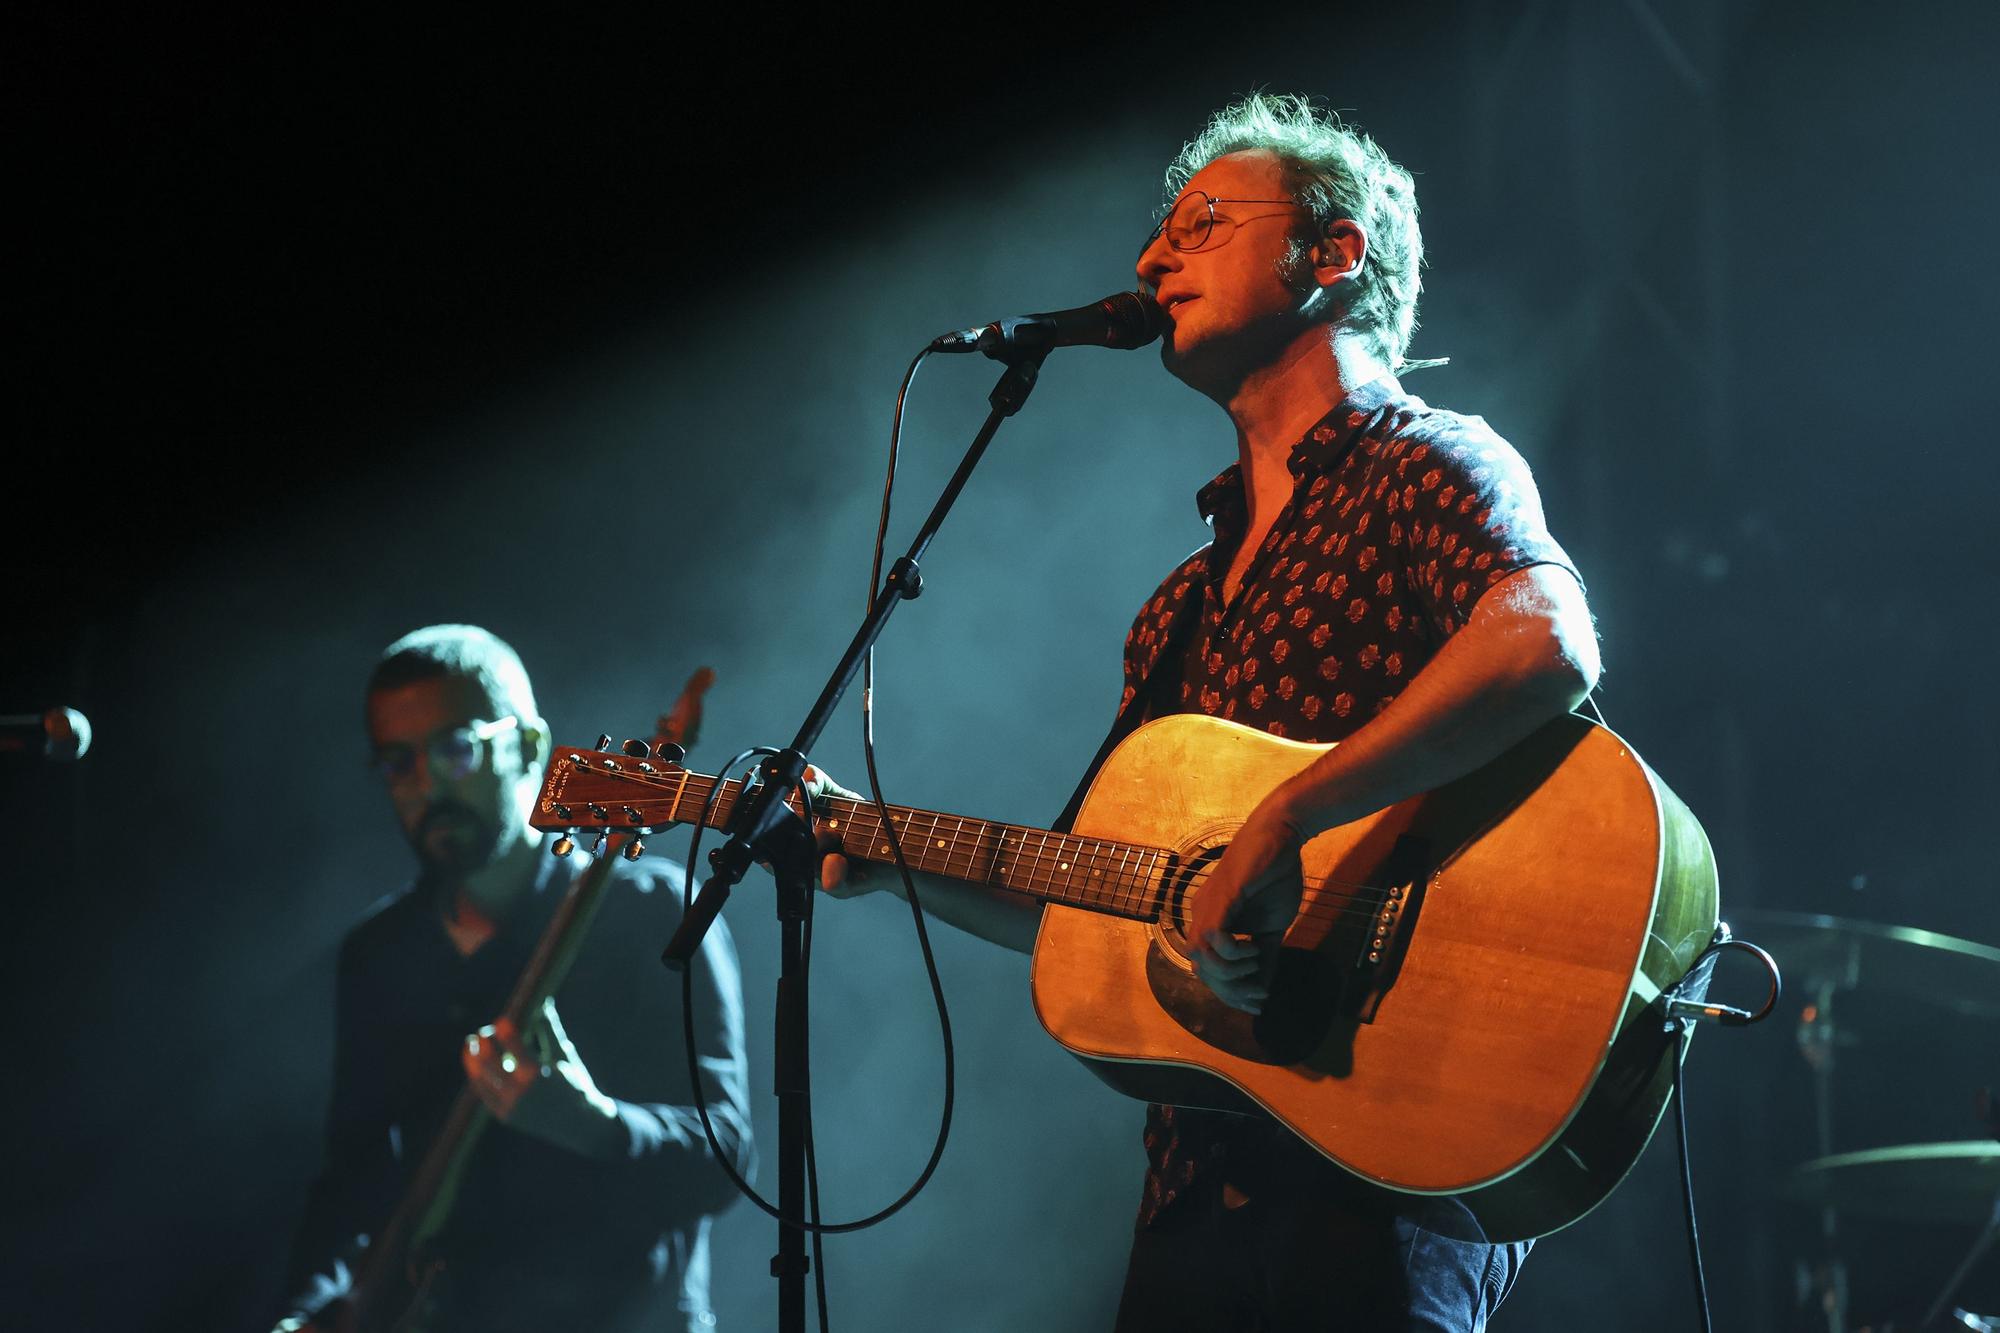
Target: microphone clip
[1004,339]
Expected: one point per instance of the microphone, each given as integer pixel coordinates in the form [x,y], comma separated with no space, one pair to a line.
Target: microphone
[1124,321]
[61,734]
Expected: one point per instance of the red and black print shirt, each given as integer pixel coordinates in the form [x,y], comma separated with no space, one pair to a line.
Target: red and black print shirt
[1401,516]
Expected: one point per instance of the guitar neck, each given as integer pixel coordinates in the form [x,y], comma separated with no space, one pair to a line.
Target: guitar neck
[1117,878]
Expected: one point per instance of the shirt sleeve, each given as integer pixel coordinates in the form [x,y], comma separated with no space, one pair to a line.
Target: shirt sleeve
[623,1010]
[666,1137]
[1463,513]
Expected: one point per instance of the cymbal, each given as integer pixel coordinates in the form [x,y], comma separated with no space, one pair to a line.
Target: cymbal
[1813,951]
[1914,1182]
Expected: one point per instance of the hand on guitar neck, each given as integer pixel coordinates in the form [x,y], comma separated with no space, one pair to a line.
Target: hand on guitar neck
[537,1083]
[1240,922]
[1006,919]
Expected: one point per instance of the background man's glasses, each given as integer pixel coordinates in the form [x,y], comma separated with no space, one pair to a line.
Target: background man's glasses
[1190,224]
[453,754]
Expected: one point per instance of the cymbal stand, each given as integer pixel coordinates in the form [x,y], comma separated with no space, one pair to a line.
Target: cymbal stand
[1964,1270]
[1826,1280]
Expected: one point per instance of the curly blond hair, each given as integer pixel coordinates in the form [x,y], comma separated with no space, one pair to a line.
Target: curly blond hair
[1336,172]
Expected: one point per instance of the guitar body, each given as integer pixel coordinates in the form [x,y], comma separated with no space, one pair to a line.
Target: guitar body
[1466,1005]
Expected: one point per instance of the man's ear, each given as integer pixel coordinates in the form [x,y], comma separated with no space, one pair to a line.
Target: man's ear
[1340,253]
[535,744]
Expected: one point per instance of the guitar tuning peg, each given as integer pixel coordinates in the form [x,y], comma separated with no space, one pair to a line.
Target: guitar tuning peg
[670,753]
[597,848]
[638,749]
[603,740]
[635,849]
[564,845]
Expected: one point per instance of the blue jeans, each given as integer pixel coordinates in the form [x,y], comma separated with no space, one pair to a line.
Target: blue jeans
[1303,1257]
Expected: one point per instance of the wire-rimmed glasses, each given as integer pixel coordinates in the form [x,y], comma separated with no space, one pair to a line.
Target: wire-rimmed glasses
[455,754]
[1190,223]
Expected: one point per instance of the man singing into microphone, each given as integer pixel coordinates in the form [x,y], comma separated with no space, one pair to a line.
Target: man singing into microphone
[1380,575]
[587,1205]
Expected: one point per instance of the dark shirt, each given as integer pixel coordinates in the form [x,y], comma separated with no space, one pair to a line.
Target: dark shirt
[1401,516]
[540,1237]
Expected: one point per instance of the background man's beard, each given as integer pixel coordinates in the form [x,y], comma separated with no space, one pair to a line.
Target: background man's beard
[454,839]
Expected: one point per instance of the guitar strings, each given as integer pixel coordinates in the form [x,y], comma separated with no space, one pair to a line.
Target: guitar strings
[1144,886]
[1127,890]
[1135,894]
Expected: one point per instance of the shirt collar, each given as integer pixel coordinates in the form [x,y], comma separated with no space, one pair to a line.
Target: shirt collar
[1316,453]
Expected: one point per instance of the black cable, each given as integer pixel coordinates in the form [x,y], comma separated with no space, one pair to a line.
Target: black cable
[743,1186]
[1684,1002]
[814,1226]
[875,787]
[1687,1178]
[805,1059]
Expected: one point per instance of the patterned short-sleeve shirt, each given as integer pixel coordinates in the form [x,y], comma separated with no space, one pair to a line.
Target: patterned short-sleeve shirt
[1401,517]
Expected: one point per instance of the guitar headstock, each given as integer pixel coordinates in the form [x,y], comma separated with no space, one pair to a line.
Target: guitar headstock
[620,794]
[607,791]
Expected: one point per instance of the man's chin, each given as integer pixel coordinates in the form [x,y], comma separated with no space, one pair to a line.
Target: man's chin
[1194,366]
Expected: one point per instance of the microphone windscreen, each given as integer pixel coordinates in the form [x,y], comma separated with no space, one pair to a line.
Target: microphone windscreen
[1132,320]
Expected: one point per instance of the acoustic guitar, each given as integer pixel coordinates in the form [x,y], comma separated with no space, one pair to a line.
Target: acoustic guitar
[1466,1005]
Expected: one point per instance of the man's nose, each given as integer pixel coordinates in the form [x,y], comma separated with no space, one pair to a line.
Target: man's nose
[421,781]
[1157,259]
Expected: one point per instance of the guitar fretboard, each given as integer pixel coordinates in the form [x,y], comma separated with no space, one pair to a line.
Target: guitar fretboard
[1122,879]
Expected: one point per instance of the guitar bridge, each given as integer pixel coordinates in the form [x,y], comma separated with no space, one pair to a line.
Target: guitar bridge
[1385,938]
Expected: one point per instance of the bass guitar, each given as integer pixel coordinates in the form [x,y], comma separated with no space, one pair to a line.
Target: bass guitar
[1466,1005]
[400,1284]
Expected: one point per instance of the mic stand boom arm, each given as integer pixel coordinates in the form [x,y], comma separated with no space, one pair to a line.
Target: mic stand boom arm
[762,829]
[783,771]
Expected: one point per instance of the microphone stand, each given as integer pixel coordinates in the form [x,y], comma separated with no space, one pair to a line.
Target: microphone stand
[765,828]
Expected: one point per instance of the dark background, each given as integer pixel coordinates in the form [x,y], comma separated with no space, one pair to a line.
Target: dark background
[588,331]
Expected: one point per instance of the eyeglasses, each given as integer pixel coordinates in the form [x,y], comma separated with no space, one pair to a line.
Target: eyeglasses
[454,754]
[1191,221]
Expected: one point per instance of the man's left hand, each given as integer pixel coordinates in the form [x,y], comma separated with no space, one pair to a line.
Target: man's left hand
[536,1082]
[1246,904]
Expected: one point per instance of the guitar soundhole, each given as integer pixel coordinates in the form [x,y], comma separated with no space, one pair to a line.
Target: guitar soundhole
[1297,1021]
[1181,891]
